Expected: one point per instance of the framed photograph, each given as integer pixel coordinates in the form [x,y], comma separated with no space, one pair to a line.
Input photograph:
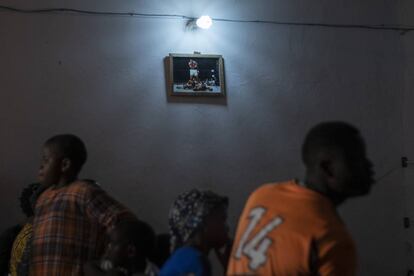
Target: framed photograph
[195,75]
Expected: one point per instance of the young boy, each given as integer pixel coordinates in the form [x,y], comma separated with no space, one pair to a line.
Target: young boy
[292,227]
[72,217]
[127,252]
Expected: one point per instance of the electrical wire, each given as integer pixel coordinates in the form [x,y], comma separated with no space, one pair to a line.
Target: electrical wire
[401,28]
[392,170]
[387,173]
[89,12]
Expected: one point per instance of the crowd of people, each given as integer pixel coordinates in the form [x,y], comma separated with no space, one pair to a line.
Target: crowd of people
[292,227]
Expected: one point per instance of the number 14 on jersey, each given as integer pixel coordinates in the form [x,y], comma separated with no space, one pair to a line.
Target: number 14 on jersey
[256,247]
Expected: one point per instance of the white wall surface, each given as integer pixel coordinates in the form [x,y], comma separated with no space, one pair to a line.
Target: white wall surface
[405,9]
[102,78]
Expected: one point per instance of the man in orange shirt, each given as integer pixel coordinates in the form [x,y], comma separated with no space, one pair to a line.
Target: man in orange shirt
[292,228]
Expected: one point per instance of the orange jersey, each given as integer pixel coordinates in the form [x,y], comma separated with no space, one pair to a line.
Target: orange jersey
[286,229]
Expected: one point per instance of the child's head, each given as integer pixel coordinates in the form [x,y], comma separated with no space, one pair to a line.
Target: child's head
[202,214]
[130,245]
[63,156]
[215,226]
[162,249]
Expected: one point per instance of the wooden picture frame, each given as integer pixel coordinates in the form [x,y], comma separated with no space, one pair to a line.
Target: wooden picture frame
[195,75]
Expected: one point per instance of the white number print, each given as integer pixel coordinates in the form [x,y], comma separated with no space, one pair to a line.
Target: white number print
[257,246]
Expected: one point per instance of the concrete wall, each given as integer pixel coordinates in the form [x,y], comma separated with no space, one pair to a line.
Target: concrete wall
[405,9]
[102,78]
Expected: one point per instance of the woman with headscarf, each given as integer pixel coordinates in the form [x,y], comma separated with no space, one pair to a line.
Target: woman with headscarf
[198,224]
[15,242]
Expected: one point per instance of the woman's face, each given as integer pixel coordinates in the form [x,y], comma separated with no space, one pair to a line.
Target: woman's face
[216,229]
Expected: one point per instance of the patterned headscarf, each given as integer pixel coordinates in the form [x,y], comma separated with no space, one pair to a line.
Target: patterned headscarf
[188,212]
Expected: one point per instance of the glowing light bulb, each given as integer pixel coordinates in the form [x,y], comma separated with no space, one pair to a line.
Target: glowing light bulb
[204,22]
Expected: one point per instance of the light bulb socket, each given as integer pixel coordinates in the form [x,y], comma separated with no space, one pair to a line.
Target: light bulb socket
[191,24]
[203,22]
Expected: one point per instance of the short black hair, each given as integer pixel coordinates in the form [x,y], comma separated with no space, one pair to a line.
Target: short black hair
[71,147]
[329,135]
[162,248]
[26,199]
[140,234]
